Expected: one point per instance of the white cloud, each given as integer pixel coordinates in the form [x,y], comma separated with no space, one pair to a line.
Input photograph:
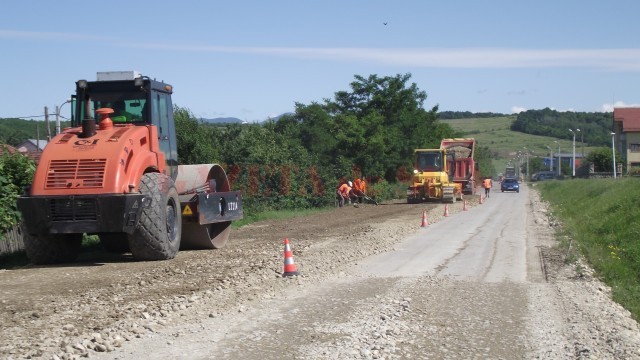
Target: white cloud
[517,109]
[617,104]
[606,59]
[56,36]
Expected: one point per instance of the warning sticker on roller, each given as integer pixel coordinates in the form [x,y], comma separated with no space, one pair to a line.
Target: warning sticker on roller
[187,210]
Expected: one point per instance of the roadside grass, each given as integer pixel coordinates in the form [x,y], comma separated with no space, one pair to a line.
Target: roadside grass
[602,219]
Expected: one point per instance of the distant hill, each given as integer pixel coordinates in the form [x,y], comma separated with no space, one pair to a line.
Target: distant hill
[498,135]
[234,120]
[223,120]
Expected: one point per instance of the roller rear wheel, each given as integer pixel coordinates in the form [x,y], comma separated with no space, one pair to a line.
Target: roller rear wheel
[208,236]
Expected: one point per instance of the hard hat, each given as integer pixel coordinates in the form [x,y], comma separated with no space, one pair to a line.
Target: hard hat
[349,182]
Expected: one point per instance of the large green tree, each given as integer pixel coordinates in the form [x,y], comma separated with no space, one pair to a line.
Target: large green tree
[602,159]
[196,143]
[374,127]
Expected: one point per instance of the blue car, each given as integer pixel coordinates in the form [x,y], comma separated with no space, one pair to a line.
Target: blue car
[510,185]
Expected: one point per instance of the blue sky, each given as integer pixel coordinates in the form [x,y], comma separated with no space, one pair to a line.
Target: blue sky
[256,59]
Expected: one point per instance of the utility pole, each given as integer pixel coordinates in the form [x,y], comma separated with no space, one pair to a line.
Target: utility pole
[57,120]
[573,160]
[613,150]
[38,137]
[550,158]
[529,176]
[46,122]
[559,159]
[581,142]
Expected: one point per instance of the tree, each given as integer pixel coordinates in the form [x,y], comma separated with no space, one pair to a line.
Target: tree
[602,159]
[483,159]
[595,127]
[196,143]
[536,164]
[16,173]
[374,127]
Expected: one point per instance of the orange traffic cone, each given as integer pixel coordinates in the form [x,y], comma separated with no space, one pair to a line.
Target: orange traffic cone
[481,199]
[464,206]
[446,209]
[290,268]
[424,218]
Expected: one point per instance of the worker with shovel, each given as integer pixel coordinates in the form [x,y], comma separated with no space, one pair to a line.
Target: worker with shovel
[360,189]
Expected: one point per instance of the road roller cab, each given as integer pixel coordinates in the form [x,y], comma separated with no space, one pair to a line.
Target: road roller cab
[115,173]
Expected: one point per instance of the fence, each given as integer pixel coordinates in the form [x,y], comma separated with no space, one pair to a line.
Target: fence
[11,242]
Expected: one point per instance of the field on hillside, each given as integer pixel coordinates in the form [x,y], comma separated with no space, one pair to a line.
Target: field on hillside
[496,134]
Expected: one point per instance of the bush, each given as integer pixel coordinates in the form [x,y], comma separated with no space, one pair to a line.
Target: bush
[16,172]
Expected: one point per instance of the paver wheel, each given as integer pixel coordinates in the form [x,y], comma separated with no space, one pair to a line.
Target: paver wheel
[52,248]
[157,236]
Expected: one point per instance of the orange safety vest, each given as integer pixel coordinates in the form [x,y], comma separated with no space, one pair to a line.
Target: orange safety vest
[344,190]
[359,185]
[486,183]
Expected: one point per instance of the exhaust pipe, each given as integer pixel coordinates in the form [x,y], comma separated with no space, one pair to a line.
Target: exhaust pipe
[88,128]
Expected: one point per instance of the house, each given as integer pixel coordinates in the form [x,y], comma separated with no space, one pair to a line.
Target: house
[7,149]
[31,145]
[626,125]
[32,148]
[566,162]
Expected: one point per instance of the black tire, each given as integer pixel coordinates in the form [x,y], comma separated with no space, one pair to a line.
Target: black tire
[157,236]
[116,243]
[52,248]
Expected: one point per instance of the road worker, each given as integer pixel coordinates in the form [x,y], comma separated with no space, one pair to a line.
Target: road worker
[487,184]
[360,188]
[345,193]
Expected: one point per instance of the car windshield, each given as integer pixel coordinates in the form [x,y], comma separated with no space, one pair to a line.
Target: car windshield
[510,181]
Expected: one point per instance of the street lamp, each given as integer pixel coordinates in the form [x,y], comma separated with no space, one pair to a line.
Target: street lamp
[613,150]
[529,176]
[581,141]
[550,158]
[573,161]
[559,159]
[58,108]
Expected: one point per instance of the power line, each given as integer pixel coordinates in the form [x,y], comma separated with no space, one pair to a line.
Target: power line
[31,117]
[23,117]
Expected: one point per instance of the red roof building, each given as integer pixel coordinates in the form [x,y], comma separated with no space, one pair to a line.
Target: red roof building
[626,125]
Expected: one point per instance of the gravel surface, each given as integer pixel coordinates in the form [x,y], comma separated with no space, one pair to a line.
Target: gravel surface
[234,301]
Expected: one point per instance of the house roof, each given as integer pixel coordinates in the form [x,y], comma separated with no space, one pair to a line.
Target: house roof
[8,149]
[41,142]
[629,116]
[32,142]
